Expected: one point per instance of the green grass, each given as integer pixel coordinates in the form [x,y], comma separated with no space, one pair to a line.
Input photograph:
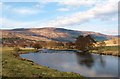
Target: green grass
[111,48]
[108,50]
[14,66]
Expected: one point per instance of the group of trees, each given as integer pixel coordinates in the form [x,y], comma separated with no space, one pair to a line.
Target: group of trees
[84,43]
[70,45]
[36,46]
[54,44]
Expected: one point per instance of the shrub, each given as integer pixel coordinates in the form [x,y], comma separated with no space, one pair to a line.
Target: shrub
[37,46]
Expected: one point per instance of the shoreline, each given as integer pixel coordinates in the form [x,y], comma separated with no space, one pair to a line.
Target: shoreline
[78,51]
[35,69]
[110,53]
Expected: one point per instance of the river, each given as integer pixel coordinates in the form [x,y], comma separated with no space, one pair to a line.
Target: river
[88,65]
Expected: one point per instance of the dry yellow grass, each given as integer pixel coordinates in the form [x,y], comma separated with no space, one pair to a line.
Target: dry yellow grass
[112,42]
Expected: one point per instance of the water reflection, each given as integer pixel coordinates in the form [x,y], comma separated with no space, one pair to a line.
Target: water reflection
[102,61]
[89,65]
[88,60]
[85,59]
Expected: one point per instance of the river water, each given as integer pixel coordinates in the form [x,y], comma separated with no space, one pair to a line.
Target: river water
[88,65]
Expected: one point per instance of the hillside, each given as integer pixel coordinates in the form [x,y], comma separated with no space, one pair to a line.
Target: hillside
[48,34]
[112,42]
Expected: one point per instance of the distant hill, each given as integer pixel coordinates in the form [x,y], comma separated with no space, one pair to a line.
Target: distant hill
[48,34]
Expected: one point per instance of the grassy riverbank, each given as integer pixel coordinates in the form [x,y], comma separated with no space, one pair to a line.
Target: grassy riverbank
[14,66]
[109,50]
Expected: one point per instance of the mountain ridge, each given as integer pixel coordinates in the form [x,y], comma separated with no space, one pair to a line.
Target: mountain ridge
[52,33]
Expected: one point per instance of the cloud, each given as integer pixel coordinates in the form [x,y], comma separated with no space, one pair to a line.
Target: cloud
[74,19]
[1,8]
[108,8]
[77,3]
[20,0]
[25,11]
[100,28]
[73,3]
[0,22]
[8,23]
[111,32]
[63,9]
[104,9]
[1,4]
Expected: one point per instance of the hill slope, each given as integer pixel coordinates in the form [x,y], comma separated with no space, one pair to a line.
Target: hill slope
[112,42]
[48,34]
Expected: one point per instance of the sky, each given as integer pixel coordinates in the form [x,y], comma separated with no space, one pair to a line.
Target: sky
[83,15]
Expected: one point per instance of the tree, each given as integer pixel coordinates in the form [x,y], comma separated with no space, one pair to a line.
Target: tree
[84,43]
[52,44]
[23,45]
[60,45]
[89,42]
[37,46]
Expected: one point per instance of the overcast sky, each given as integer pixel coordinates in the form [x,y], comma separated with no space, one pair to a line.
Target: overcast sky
[84,15]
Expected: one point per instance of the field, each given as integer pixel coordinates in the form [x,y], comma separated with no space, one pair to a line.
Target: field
[14,66]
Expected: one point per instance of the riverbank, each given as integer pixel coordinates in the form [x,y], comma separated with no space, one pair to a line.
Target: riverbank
[14,66]
[107,50]
[112,53]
